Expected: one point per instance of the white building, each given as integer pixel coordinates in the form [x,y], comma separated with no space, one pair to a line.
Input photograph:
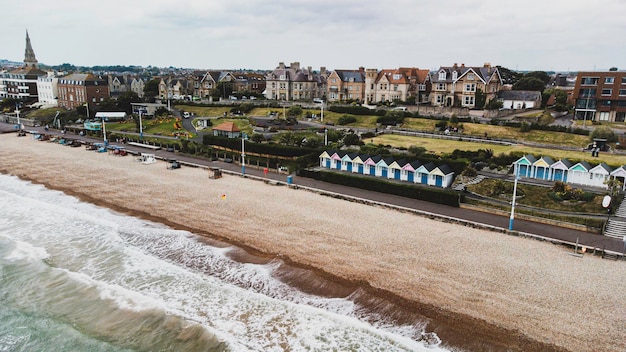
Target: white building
[47,90]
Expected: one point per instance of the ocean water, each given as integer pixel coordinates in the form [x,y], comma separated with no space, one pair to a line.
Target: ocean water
[76,277]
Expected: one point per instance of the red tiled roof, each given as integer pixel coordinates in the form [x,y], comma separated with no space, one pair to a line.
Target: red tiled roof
[227,127]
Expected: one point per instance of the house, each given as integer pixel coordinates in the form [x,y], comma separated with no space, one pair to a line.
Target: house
[395,84]
[137,85]
[519,99]
[227,129]
[346,85]
[457,85]
[118,84]
[77,89]
[295,83]
[600,96]
[249,83]
[175,88]
[48,90]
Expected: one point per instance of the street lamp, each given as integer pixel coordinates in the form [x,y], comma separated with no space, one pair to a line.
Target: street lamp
[513,201]
[243,154]
[140,125]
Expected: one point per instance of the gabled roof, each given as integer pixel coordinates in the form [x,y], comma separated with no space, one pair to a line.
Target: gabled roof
[428,167]
[562,164]
[581,165]
[544,161]
[357,76]
[619,172]
[528,158]
[361,158]
[444,169]
[523,95]
[601,168]
[227,127]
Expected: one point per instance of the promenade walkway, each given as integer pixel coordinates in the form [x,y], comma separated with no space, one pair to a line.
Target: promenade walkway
[468,217]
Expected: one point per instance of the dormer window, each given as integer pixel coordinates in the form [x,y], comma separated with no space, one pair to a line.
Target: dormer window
[442,75]
[454,75]
[470,76]
[397,76]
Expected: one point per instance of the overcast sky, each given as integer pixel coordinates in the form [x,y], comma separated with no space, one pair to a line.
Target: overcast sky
[338,34]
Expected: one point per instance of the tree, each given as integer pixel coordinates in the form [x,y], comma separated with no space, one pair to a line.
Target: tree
[604,132]
[529,83]
[539,74]
[151,89]
[351,139]
[494,104]
[124,101]
[480,99]
[295,111]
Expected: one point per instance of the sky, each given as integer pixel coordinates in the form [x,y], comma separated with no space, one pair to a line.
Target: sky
[547,35]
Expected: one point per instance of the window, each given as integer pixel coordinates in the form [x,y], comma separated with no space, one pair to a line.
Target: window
[395,87]
[607,91]
[468,100]
[609,80]
[442,75]
[623,80]
[397,76]
[587,92]
[622,92]
[592,81]
[470,87]
[454,75]
[439,99]
[441,86]
[470,76]
[282,77]
[604,116]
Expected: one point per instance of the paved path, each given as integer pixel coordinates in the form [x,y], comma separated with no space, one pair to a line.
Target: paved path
[501,222]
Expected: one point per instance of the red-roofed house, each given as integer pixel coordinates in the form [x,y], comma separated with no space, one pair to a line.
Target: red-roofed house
[227,129]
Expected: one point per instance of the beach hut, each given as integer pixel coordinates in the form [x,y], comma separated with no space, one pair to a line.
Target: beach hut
[541,168]
[382,167]
[370,165]
[524,165]
[336,160]
[558,170]
[325,159]
[395,169]
[579,173]
[358,163]
[422,174]
[408,171]
[346,161]
[599,174]
[442,176]
[620,175]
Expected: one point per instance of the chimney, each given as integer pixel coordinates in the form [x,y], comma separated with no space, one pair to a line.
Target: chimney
[455,65]
[281,65]
[295,65]
[361,69]
[462,65]
[310,69]
[323,70]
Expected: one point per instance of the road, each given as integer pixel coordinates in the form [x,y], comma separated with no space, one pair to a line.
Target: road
[465,215]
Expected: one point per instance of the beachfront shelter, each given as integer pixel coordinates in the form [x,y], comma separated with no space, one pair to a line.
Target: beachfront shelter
[111,116]
[382,167]
[541,168]
[442,176]
[524,165]
[227,129]
[579,173]
[558,170]
[599,174]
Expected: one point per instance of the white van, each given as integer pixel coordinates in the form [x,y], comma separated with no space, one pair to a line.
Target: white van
[186,114]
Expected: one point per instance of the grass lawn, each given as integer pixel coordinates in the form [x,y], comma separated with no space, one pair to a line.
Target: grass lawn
[444,146]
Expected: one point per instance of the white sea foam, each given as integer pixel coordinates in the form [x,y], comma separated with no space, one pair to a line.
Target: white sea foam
[142,266]
[25,251]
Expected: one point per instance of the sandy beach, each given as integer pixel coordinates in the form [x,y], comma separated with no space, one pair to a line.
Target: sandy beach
[529,295]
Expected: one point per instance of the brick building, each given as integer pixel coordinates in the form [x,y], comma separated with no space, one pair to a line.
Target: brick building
[600,96]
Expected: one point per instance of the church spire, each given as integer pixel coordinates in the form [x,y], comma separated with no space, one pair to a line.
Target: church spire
[29,55]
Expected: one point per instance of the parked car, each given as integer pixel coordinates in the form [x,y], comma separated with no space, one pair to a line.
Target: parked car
[186,114]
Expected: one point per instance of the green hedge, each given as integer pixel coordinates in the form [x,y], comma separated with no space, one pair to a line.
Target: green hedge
[258,148]
[429,194]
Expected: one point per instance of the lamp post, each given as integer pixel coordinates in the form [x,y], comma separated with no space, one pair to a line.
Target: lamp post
[511,218]
[140,125]
[243,154]
[322,117]
[104,131]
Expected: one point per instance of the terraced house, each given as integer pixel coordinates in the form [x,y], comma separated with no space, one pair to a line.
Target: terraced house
[601,96]
[295,83]
[396,85]
[346,85]
[459,85]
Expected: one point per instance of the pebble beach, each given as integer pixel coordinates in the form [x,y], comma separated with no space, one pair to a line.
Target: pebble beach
[526,294]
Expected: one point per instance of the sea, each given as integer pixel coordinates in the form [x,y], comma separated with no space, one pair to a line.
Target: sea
[78,277]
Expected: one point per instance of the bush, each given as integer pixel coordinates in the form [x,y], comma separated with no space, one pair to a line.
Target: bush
[525,127]
[606,133]
[469,172]
[346,120]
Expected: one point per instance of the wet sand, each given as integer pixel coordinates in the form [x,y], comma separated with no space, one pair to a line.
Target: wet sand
[518,294]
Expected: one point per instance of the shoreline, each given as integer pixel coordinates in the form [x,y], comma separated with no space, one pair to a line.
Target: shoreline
[451,324]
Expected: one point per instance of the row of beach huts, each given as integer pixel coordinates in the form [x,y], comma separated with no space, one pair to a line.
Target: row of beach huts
[411,171]
[581,173]
[428,173]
